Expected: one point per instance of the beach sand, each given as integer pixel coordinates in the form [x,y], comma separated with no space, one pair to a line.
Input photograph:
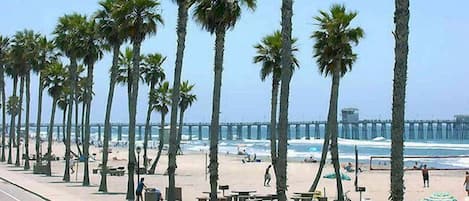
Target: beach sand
[190,175]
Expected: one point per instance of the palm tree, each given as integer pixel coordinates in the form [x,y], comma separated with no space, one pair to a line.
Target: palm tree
[183,7]
[153,73]
[160,101]
[46,55]
[68,40]
[401,19]
[287,12]
[22,50]
[54,78]
[4,48]
[94,53]
[142,18]
[269,55]
[113,35]
[12,71]
[217,17]
[185,101]
[80,90]
[13,108]
[33,55]
[335,57]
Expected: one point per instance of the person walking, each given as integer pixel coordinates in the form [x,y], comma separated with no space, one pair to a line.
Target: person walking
[466,183]
[139,190]
[72,163]
[267,176]
[426,178]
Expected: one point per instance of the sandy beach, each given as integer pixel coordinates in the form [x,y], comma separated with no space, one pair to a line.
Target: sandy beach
[249,176]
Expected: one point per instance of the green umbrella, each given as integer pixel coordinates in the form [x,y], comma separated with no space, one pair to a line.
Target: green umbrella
[333,175]
[440,196]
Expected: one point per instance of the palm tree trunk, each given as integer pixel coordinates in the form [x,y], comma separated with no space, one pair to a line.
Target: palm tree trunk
[11,137]
[160,146]
[64,119]
[77,125]
[72,99]
[83,114]
[18,126]
[147,129]
[273,123]
[4,129]
[38,120]
[173,145]
[86,142]
[49,137]
[401,19]
[26,137]
[132,116]
[181,124]
[325,148]
[107,119]
[284,95]
[333,128]
[214,126]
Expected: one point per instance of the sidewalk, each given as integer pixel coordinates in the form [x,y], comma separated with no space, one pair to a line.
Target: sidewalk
[53,188]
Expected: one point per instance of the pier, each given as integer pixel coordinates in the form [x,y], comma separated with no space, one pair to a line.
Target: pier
[418,130]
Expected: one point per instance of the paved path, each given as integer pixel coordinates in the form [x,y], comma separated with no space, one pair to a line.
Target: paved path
[9,192]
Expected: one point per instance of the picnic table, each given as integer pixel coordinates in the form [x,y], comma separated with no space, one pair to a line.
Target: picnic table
[308,194]
[242,195]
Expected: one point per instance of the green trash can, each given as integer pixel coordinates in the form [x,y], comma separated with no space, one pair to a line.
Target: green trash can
[152,194]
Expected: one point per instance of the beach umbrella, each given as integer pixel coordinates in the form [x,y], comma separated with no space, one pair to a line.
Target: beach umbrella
[333,175]
[440,196]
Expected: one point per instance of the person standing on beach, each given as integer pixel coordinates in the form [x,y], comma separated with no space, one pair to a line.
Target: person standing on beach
[267,176]
[139,190]
[72,163]
[425,175]
[466,183]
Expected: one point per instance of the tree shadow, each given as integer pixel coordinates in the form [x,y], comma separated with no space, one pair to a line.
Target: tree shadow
[82,185]
[64,182]
[110,193]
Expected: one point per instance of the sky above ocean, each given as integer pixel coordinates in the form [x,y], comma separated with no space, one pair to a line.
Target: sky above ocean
[437,75]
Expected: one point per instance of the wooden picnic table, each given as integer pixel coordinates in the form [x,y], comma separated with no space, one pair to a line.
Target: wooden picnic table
[242,194]
[308,194]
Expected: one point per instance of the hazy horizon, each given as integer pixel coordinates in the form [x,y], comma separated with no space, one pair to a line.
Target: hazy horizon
[437,75]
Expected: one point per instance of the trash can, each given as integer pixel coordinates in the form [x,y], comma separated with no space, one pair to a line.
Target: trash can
[152,194]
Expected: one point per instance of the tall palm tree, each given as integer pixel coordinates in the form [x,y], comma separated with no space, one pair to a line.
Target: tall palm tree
[80,90]
[160,101]
[12,71]
[46,55]
[401,19]
[335,57]
[153,73]
[92,44]
[217,17]
[22,50]
[287,12]
[33,57]
[269,55]
[181,29]
[68,40]
[4,48]
[13,108]
[113,35]
[54,78]
[141,17]
[187,98]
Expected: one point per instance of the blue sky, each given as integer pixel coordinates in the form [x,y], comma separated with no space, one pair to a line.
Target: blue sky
[437,76]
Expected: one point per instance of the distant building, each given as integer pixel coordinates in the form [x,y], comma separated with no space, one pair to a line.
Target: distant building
[350,115]
[461,127]
[461,118]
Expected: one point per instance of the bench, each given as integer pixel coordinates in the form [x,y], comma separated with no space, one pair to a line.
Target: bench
[302,198]
[116,172]
[203,198]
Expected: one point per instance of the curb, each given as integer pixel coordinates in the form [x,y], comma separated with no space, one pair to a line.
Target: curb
[25,189]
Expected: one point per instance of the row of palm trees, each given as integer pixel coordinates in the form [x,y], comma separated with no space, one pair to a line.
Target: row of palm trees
[81,38]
